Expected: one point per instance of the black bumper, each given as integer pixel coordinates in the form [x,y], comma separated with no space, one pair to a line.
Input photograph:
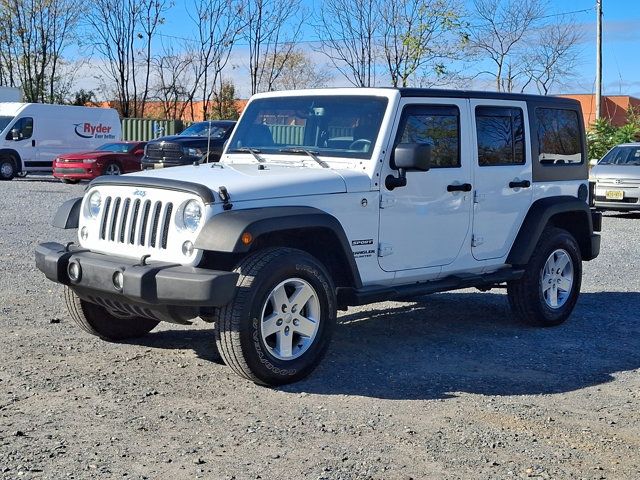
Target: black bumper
[153,284]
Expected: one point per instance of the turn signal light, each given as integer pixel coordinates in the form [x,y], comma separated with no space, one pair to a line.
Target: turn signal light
[247,238]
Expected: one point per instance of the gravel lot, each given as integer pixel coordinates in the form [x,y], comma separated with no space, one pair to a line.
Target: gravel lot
[449,387]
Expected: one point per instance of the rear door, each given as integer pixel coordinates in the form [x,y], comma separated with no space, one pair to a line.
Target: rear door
[502,175]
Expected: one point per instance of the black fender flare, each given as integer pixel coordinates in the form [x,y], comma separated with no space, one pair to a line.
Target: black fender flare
[12,153]
[223,232]
[539,216]
[68,214]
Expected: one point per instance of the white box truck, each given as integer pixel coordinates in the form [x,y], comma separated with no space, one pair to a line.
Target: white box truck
[10,94]
[32,135]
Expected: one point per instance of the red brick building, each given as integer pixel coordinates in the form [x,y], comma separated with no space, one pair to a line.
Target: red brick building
[613,107]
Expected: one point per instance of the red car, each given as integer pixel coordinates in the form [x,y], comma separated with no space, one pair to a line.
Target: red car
[112,158]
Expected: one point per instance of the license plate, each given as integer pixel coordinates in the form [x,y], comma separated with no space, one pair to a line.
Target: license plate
[614,194]
[158,165]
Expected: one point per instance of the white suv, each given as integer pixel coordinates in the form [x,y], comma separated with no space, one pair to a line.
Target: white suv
[325,199]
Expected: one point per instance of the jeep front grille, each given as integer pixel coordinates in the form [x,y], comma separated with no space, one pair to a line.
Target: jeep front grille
[135,221]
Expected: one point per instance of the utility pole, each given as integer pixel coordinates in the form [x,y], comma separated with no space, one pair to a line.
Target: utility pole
[598,57]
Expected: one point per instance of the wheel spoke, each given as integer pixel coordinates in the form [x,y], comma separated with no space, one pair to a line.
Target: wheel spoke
[279,298]
[284,344]
[546,286]
[553,296]
[301,296]
[306,326]
[269,326]
[562,262]
[564,284]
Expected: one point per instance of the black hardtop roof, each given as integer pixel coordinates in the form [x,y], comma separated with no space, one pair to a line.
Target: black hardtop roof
[523,97]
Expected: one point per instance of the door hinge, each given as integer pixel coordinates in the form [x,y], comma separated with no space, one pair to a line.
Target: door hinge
[387,201]
[476,241]
[384,249]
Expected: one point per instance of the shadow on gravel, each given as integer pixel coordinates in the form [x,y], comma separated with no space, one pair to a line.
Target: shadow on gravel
[624,215]
[462,342]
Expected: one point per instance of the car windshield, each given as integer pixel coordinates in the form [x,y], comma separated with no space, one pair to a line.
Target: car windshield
[622,156]
[333,126]
[203,129]
[115,147]
[4,121]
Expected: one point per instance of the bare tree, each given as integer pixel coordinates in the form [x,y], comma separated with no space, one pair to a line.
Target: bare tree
[299,71]
[34,35]
[419,34]
[554,56]
[348,29]
[499,30]
[271,31]
[172,73]
[151,17]
[218,24]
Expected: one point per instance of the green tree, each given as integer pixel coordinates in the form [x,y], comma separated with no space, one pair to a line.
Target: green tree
[224,107]
[603,136]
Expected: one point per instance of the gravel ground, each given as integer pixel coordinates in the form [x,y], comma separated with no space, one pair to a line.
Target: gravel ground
[449,387]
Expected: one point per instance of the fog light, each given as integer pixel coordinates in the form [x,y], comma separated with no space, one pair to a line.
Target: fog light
[118,280]
[187,248]
[84,233]
[74,271]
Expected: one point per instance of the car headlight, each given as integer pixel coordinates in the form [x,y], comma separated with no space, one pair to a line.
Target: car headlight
[193,152]
[191,215]
[94,203]
[89,160]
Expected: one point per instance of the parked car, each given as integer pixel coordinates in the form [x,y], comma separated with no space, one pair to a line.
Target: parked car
[32,135]
[434,190]
[109,159]
[201,142]
[616,178]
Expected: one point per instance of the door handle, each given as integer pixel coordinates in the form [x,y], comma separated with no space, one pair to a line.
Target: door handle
[463,187]
[520,184]
[33,143]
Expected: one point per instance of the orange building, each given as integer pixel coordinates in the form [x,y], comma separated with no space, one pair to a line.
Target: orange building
[613,107]
[156,110]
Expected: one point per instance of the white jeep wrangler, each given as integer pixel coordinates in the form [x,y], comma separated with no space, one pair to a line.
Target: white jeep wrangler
[329,198]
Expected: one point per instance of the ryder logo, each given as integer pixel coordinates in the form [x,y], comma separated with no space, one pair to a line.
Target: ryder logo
[88,130]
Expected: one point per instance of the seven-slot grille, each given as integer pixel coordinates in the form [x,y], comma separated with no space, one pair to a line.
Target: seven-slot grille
[135,221]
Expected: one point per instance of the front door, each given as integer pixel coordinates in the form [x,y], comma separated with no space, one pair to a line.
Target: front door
[502,177]
[425,223]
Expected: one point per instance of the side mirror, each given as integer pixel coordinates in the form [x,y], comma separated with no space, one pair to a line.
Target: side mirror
[408,157]
[412,157]
[15,134]
[593,162]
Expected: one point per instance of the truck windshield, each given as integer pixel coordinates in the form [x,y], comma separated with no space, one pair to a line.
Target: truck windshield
[4,121]
[203,129]
[333,126]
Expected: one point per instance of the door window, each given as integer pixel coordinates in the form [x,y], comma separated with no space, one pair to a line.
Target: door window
[435,125]
[24,127]
[500,133]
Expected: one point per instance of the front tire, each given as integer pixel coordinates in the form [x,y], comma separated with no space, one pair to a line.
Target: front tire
[547,293]
[69,181]
[112,168]
[278,326]
[97,321]
[8,168]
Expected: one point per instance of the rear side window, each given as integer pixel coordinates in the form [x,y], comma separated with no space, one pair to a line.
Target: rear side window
[435,125]
[500,133]
[559,138]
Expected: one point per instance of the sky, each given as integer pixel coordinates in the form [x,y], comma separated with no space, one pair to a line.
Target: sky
[621,44]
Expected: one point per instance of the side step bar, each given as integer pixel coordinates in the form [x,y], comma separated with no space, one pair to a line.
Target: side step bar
[380,293]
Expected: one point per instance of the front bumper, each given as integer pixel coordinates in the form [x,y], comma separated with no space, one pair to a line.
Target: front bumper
[76,171]
[156,284]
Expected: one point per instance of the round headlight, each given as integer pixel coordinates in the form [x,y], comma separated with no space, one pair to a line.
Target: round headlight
[192,215]
[95,201]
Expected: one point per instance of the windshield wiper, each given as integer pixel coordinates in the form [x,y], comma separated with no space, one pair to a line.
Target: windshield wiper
[313,155]
[253,151]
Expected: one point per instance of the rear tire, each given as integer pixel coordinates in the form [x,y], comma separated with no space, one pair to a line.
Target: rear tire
[547,293]
[279,324]
[97,321]
[8,168]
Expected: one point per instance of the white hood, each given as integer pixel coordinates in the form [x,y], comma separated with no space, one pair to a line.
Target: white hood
[250,182]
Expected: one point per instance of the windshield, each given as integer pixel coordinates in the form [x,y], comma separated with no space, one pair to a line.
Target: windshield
[203,129]
[622,156]
[115,147]
[333,126]
[4,121]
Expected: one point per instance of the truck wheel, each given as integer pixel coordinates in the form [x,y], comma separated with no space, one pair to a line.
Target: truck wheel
[279,325]
[547,293]
[8,168]
[112,169]
[97,321]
